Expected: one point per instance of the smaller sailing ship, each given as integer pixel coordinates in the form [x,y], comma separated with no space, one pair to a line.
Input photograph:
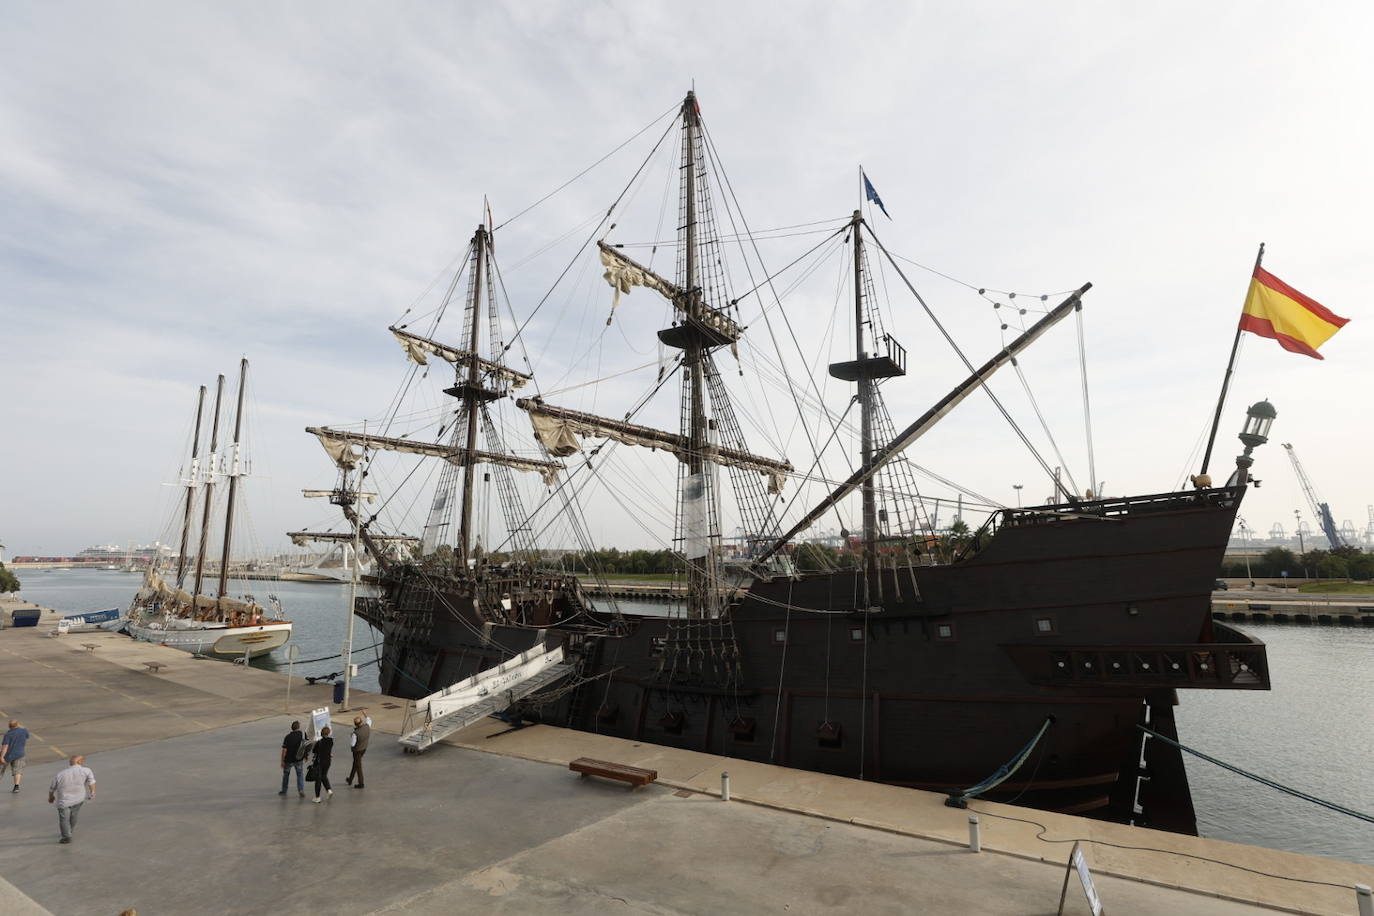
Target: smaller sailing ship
[169,613]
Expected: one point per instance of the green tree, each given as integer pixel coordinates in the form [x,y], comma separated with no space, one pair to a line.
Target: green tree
[1361,566]
[1311,560]
[1275,562]
[9,582]
[813,558]
[1331,566]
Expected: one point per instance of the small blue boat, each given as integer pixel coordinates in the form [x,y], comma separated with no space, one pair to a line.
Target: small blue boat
[76,620]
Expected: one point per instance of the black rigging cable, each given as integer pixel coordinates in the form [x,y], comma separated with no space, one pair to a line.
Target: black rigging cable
[960,353]
[636,136]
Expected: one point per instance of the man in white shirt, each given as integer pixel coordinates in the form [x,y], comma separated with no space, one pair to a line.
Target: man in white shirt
[69,791]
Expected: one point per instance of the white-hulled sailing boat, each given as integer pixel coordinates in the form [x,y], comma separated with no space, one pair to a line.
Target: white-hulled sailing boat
[166,612]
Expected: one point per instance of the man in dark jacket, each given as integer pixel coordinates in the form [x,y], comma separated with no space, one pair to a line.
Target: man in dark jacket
[361,732]
[292,756]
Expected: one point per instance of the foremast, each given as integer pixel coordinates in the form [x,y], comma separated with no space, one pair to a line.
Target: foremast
[192,481]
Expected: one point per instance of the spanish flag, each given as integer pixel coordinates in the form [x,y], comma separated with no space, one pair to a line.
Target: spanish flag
[1275,309]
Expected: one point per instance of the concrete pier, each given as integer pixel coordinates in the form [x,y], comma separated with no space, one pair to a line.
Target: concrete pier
[187,819]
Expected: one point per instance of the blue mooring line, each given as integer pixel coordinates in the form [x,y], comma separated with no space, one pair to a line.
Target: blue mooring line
[1002,774]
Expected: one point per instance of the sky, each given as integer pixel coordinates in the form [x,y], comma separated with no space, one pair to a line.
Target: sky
[185,184]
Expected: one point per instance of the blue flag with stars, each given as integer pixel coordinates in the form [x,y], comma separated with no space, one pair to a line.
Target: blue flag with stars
[873,196]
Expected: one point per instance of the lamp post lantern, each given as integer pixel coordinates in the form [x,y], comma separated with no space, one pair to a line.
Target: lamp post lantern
[1017,488]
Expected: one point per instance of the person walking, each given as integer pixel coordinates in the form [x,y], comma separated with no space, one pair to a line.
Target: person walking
[362,731]
[324,750]
[294,750]
[12,752]
[71,788]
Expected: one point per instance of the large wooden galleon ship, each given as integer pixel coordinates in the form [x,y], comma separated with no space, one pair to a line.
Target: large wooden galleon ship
[1044,639]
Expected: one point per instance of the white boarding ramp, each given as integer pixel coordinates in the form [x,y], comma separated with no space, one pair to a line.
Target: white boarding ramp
[459,705]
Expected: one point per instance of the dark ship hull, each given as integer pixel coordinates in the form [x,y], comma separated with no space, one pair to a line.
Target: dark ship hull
[1093,614]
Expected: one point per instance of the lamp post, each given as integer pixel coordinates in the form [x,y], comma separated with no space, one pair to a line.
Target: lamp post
[1258,418]
[1017,488]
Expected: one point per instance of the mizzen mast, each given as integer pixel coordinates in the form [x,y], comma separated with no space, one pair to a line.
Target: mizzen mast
[865,369]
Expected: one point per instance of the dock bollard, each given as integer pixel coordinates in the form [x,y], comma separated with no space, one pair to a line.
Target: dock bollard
[975,837]
[1365,896]
[725,794]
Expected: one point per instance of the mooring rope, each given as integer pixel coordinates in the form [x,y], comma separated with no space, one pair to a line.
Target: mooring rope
[1003,773]
[1296,793]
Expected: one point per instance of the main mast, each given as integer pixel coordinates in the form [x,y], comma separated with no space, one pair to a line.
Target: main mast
[700,578]
[234,468]
[472,393]
[190,492]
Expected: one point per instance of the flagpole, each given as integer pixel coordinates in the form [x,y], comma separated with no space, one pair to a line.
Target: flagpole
[1226,380]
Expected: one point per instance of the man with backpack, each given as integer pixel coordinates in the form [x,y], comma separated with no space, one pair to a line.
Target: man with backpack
[294,749]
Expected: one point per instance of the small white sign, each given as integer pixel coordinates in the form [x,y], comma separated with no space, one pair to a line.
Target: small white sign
[319,718]
[293,652]
[1080,864]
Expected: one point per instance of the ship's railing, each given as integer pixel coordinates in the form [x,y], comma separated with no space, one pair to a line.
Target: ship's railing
[980,538]
[1220,666]
[372,610]
[1129,505]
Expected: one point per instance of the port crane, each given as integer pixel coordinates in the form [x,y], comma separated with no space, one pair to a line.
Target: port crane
[1320,509]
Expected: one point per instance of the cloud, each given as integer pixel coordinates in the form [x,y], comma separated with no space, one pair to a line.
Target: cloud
[183,184]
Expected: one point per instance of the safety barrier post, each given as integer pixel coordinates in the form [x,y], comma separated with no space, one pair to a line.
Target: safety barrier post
[1365,896]
[725,795]
[975,835]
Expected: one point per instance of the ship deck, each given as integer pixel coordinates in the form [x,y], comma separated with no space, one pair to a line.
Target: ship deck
[186,763]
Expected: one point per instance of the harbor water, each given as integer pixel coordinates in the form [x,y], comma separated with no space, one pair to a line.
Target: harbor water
[316,610]
[1311,731]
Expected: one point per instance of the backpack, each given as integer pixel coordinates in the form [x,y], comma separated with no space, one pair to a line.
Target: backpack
[303,751]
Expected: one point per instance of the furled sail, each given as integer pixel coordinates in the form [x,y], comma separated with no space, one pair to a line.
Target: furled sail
[154,586]
[305,538]
[624,273]
[558,428]
[340,445]
[419,349]
[906,437]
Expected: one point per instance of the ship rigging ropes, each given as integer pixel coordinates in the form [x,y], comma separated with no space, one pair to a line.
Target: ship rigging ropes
[741,235]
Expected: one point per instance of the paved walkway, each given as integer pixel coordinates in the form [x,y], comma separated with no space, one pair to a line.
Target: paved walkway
[187,819]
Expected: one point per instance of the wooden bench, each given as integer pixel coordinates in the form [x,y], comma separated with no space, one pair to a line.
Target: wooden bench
[634,776]
[154,666]
[89,646]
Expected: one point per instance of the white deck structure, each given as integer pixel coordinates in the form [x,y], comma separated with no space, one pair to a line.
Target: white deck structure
[459,705]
